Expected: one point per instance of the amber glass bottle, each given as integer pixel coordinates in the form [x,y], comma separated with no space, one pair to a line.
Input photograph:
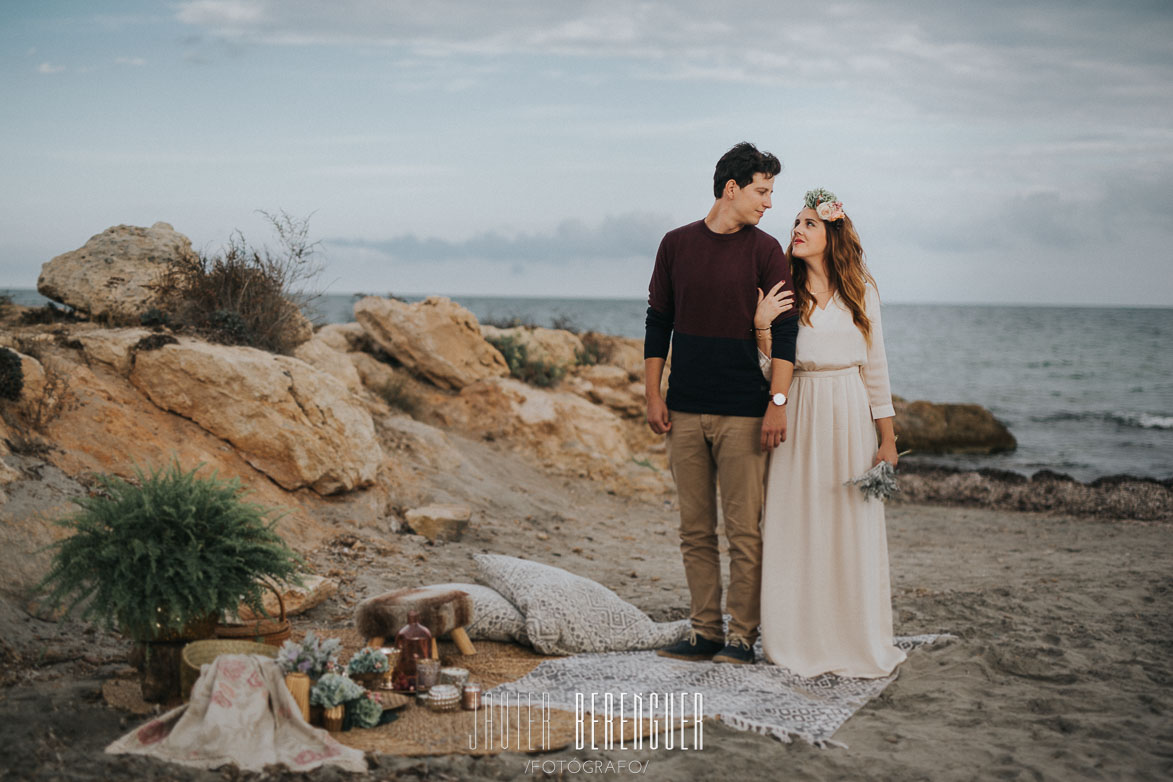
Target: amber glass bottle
[414,642]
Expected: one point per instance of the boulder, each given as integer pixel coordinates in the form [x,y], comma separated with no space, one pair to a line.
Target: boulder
[552,346]
[435,338]
[609,386]
[926,427]
[343,337]
[560,429]
[626,353]
[323,355]
[111,275]
[440,522]
[298,425]
[113,347]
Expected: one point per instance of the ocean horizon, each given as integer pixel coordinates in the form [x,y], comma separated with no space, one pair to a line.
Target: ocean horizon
[1087,391]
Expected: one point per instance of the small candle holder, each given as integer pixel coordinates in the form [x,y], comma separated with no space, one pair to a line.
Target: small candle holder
[427,674]
[470,696]
[453,675]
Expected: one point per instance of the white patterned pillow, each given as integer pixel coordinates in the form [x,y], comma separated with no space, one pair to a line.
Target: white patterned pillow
[493,617]
[569,614]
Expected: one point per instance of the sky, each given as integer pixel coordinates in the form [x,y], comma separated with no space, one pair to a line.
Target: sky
[992,152]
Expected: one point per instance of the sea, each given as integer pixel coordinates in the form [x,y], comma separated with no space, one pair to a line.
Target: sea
[1086,391]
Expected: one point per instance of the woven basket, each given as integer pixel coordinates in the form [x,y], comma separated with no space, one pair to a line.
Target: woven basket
[197,653]
[266,631]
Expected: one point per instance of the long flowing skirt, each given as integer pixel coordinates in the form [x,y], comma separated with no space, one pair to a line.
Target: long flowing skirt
[826,594]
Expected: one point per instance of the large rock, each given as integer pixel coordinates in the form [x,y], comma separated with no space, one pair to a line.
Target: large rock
[552,346]
[296,424]
[439,522]
[436,339]
[559,429]
[926,427]
[110,276]
[322,354]
[113,347]
[627,353]
[610,386]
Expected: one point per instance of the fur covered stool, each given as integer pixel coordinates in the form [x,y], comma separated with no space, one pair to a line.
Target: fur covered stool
[442,611]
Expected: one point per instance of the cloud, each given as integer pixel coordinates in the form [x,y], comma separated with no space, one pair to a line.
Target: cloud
[996,58]
[614,237]
[136,62]
[48,67]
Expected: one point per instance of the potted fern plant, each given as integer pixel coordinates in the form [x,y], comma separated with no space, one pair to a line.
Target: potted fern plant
[161,558]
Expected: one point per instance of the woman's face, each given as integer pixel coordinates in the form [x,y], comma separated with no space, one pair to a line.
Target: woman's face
[808,237]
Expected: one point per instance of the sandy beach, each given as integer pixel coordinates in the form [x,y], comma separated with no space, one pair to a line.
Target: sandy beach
[1058,593]
[1060,670]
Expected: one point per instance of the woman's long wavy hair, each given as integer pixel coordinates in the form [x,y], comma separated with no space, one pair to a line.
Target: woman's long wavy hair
[847,273]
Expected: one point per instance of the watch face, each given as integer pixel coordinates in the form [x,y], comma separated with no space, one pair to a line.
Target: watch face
[779,399]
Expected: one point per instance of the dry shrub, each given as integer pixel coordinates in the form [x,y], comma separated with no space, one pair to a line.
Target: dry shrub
[244,295]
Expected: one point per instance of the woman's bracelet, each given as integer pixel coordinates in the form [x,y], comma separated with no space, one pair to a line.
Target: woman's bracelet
[762,328]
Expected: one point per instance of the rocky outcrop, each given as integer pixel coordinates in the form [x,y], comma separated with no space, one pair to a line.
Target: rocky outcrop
[296,424]
[609,386]
[321,354]
[440,522]
[627,353]
[562,430]
[551,346]
[435,339]
[113,347]
[1113,497]
[110,276]
[926,427]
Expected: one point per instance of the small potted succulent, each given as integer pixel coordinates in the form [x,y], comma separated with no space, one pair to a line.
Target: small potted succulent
[370,667]
[331,692]
[311,656]
[364,712]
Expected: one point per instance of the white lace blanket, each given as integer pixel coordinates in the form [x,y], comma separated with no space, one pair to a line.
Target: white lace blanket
[240,712]
[763,698]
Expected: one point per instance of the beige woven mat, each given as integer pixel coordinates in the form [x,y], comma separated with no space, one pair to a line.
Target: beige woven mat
[421,731]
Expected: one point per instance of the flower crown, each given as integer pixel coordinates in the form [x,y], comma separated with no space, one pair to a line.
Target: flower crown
[825,204]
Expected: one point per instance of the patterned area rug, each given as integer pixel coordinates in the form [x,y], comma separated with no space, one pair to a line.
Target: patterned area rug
[762,698]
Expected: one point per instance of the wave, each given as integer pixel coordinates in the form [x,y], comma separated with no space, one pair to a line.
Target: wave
[1133,420]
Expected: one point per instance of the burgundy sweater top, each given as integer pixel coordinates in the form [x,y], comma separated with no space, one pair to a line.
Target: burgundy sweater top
[701,300]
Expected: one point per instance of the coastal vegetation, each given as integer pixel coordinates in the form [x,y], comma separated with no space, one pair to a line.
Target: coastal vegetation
[168,550]
[243,295]
[536,372]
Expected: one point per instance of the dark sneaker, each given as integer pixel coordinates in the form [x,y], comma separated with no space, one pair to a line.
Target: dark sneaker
[738,650]
[695,647]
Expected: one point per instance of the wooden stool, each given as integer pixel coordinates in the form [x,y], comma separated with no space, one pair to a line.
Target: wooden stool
[442,611]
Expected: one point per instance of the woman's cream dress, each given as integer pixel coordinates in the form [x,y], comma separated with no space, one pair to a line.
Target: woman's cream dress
[826,597]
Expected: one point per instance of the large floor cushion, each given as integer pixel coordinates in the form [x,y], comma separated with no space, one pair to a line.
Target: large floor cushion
[569,614]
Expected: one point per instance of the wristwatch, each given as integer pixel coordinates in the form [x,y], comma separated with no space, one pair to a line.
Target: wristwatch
[778,399]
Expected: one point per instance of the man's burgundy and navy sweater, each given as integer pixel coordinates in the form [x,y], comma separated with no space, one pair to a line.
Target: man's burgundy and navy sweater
[702,299]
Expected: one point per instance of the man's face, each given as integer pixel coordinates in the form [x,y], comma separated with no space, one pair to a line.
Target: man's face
[752,201]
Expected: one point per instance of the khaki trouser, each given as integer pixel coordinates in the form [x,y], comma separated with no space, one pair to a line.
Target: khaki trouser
[705,451]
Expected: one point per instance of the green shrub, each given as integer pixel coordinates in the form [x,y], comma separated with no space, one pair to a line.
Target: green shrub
[169,552]
[537,373]
[11,375]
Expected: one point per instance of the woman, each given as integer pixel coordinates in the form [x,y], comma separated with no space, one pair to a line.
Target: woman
[826,603]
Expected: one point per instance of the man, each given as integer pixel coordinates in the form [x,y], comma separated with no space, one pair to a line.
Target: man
[720,415]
